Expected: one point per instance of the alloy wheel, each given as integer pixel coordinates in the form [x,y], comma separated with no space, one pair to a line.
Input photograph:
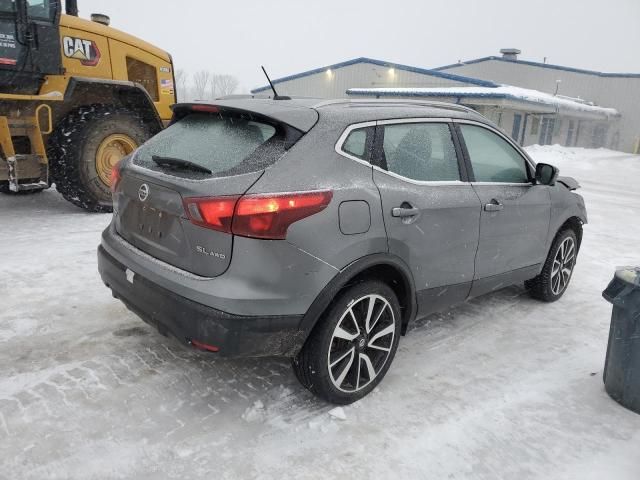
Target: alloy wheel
[361,343]
[563,264]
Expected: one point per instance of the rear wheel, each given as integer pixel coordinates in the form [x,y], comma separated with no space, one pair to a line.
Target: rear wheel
[554,279]
[84,149]
[353,345]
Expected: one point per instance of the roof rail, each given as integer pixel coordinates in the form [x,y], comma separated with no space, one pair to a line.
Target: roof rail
[378,101]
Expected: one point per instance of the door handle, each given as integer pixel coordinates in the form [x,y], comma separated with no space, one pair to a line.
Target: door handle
[493,206]
[402,212]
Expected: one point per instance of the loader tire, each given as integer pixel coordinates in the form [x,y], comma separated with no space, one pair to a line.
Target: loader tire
[84,148]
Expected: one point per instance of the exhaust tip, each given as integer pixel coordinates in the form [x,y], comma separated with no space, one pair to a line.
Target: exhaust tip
[101,18]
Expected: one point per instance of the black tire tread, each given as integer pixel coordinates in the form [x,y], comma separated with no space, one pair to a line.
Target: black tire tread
[66,146]
[539,287]
[304,364]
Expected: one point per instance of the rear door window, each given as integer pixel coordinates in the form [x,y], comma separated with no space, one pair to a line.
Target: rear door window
[420,151]
[226,145]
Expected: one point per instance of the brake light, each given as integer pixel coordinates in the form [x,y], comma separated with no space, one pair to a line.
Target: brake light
[269,216]
[212,212]
[115,176]
[205,108]
[256,216]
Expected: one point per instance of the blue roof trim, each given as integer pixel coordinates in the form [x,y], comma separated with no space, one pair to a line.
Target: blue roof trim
[499,96]
[542,65]
[381,63]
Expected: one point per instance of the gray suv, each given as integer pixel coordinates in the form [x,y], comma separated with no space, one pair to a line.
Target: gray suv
[318,230]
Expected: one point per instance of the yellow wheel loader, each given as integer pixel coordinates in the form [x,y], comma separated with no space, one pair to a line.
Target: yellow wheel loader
[76,96]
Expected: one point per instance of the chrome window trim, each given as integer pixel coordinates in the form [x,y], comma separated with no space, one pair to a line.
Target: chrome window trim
[504,184]
[427,183]
[350,128]
[416,120]
[510,141]
[340,143]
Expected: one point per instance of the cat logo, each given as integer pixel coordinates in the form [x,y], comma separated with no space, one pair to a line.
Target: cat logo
[84,50]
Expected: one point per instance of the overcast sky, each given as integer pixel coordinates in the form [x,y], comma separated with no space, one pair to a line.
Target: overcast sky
[290,36]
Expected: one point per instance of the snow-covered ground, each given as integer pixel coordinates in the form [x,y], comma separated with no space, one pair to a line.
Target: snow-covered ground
[500,387]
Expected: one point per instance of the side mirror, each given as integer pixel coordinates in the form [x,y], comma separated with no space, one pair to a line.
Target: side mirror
[546,174]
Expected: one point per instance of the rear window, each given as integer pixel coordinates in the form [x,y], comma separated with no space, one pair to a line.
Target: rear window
[226,145]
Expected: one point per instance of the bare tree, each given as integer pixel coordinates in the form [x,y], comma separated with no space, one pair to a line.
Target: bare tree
[201,81]
[182,85]
[222,84]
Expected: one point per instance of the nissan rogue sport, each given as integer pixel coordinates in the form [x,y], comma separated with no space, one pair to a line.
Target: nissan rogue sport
[319,230]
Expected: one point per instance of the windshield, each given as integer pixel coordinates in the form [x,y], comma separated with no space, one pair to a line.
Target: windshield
[36,9]
[225,145]
[40,9]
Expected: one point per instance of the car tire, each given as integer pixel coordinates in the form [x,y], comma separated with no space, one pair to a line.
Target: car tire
[557,271]
[77,152]
[351,348]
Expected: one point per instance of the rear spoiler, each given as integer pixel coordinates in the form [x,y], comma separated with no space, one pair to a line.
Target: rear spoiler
[290,134]
[282,112]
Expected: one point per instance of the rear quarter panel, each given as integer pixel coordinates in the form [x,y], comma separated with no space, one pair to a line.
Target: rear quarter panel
[313,164]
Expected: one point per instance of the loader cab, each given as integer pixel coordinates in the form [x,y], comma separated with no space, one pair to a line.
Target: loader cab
[29,39]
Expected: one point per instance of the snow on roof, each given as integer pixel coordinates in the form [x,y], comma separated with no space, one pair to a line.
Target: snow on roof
[500,92]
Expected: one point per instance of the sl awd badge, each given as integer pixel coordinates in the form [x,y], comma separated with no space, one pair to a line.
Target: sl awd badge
[143,192]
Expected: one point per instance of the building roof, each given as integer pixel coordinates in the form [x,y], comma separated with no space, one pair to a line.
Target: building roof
[517,94]
[380,63]
[541,65]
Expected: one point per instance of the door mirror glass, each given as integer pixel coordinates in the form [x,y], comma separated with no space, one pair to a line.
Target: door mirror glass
[546,174]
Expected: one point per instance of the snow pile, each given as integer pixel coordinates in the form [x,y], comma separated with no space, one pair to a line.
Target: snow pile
[500,387]
[501,92]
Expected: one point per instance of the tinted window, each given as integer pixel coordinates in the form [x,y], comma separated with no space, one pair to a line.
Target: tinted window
[39,9]
[145,75]
[421,151]
[493,159]
[356,143]
[225,145]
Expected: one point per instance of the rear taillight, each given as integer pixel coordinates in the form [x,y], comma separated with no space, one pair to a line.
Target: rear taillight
[256,216]
[212,212]
[115,176]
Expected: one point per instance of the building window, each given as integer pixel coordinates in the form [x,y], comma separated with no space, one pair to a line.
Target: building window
[535,125]
[517,121]
[547,128]
[570,133]
[145,75]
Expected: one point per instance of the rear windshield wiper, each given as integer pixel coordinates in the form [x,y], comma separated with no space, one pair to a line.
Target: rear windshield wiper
[179,163]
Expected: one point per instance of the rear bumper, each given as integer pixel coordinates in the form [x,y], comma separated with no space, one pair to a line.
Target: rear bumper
[233,335]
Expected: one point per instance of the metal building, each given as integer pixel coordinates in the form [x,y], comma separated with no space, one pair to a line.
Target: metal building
[617,90]
[572,112]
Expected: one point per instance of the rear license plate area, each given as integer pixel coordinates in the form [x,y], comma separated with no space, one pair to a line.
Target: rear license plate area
[151,222]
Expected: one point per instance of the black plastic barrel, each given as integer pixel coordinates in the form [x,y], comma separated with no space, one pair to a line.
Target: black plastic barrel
[622,365]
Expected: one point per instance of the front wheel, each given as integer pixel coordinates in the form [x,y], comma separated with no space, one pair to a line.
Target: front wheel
[86,146]
[554,279]
[350,350]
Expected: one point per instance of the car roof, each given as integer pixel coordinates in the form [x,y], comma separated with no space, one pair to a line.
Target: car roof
[303,113]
